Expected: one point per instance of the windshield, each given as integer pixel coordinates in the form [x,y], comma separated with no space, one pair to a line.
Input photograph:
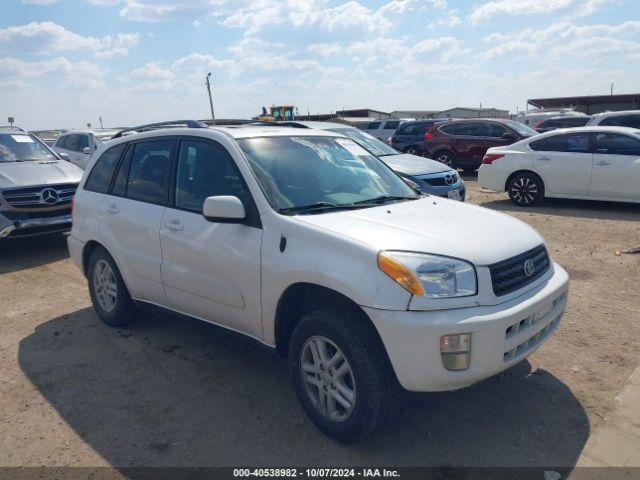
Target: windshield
[371,143]
[328,172]
[520,128]
[22,147]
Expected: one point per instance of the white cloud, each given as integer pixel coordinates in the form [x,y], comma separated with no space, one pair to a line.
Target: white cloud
[489,10]
[565,40]
[48,37]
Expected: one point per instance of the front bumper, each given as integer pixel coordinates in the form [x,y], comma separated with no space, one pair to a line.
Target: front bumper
[501,336]
[26,227]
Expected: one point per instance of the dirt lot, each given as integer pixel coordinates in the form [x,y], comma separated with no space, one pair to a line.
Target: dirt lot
[176,392]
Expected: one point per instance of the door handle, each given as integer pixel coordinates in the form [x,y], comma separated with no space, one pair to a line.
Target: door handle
[174,225]
[544,159]
[602,163]
[113,209]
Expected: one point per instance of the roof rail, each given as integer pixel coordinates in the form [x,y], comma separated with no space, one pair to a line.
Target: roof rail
[158,125]
[13,128]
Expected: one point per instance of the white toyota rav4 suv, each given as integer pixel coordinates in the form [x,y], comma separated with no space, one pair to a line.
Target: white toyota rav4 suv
[306,242]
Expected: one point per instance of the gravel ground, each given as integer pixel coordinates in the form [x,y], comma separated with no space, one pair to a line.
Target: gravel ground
[176,392]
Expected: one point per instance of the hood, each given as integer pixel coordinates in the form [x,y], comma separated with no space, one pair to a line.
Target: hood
[46,172]
[413,165]
[440,226]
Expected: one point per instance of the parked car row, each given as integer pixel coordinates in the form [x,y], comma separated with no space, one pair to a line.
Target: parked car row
[305,241]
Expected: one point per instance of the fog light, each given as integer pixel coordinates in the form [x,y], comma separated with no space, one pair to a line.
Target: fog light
[455,351]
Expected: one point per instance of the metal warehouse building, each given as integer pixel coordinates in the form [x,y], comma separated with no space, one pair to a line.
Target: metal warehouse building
[590,104]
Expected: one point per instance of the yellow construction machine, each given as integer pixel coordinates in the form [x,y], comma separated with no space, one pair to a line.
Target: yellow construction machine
[278,113]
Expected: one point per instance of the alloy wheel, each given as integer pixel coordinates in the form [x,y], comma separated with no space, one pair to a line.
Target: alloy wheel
[328,378]
[524,190]
[106,288]
[446,159]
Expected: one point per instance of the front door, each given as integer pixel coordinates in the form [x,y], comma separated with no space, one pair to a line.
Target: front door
[211,270]
[564,163]
[616,166]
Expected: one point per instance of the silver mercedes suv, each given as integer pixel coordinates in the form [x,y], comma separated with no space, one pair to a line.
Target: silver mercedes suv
[36,186]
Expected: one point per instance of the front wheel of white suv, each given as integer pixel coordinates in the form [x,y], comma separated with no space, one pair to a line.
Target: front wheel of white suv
[341,374]
[109,294]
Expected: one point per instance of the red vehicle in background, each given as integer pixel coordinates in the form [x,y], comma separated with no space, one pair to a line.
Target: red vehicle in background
[463,143]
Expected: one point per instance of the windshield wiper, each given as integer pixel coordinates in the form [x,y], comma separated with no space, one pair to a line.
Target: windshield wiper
[321,206]
[384,198]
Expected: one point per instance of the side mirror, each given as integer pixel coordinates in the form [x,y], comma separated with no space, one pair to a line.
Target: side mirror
[223,209]
[508,136]
[87,150]
[65,157]
[414,185]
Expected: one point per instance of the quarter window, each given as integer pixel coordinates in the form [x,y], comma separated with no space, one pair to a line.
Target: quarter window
[569,142]
[102,172]
[206,169]
[148,179]
[616,144]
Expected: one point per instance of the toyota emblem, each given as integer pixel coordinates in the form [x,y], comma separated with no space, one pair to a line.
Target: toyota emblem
[50,196]
[529,268]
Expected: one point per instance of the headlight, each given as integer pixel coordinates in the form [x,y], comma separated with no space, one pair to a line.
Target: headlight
[429,276]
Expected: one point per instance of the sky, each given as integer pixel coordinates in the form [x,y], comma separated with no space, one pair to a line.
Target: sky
[65,63]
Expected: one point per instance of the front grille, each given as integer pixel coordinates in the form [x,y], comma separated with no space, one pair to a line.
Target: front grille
[32,197]
[15,215]
[509,275]
[523,336]
[442,181]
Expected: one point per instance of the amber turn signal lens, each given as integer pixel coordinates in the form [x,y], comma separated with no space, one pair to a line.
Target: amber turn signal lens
[400,274]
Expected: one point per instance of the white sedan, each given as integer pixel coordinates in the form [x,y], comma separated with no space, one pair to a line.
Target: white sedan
[594,163]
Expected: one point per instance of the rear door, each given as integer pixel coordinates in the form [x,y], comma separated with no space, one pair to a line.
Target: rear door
[211,270]
[616,166]
[133,212]
[468,143]
[564,162]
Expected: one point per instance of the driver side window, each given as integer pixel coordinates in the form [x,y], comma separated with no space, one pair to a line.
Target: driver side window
[205,169]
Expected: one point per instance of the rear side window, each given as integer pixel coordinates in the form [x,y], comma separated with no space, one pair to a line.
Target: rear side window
[469,129]
[616,144]
[632,121]
[102,172]
[61,141]
[392,124]
[148,179]
[373,125]
[568,142]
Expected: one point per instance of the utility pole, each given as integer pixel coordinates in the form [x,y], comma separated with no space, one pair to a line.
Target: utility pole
[611,88]
[101,126]
[213,116]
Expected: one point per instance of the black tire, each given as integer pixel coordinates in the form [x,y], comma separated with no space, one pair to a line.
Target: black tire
[375,386]
[124,310]
[413,150]
[446,157]
[525,189]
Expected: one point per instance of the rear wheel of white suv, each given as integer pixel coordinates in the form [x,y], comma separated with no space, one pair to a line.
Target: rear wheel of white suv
[341,374]
[109,294]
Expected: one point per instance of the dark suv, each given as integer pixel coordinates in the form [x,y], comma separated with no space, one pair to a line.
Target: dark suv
[409,136]
[463,143]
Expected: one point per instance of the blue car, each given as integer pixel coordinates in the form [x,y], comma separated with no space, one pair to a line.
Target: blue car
[431,177]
